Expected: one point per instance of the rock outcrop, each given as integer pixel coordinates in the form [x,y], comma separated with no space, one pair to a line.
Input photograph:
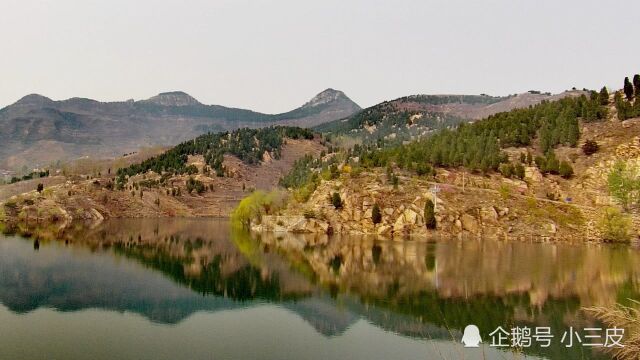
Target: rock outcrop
[472,213]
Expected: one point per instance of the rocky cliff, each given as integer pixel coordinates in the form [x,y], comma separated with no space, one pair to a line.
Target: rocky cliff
[538,207]
[473,211]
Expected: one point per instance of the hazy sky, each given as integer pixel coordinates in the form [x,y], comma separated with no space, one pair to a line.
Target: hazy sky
[272,56]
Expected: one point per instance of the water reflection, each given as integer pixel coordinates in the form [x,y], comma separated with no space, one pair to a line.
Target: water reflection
[168,270]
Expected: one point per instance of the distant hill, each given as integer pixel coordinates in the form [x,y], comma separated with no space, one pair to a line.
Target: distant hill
[36,130]
[414,116]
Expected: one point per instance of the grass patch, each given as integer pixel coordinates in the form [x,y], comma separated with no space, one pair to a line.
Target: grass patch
[562,215]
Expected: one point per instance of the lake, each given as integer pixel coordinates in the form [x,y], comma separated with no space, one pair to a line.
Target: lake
[197,289]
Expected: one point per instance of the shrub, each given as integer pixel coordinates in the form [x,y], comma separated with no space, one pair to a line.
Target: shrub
[506,170]
[566,171]
[197,185]
[303,194]
[336,201]
[590,147]
[429,214]
[518,171]
[424,169]
[504,191]
[376,215]
[615,226]
[541,163]
[40,187]
[309,214]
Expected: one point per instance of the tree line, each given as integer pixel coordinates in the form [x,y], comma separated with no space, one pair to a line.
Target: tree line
[478,146]
[248,145]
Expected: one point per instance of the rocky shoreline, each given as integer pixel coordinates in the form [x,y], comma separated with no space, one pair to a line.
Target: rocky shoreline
[458,213]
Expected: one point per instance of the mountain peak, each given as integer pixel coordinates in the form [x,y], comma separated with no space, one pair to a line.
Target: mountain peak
[34,99]
[174,98]
[325,97]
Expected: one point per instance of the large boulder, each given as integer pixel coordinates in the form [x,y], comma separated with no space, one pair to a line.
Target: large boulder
[489,214]
[470,223]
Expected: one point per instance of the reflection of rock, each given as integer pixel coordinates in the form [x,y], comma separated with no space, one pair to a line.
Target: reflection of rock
[462,268]
[58,278]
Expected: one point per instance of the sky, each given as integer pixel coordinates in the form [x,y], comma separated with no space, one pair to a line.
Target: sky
[273,56]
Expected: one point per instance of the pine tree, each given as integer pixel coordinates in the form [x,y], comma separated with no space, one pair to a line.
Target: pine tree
[628,89]
[529,158]
[376,215]
[572,133]
[519,171]
[336,201]
[429,215]
[604,96]
[566,171]
[636,84]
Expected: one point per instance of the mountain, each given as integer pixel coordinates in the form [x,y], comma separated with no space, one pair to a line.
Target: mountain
[414,116]
[36,131]
[174,98]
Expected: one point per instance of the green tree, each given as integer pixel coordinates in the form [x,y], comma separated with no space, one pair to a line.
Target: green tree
[40,188]
[636,84]
[604,96]
[623,183]
[565,170]
[197,185]
[429,215]
[336,201]
[628,89]
[615,226]
[506,170]
[376,215]
[255,205]
[519,171]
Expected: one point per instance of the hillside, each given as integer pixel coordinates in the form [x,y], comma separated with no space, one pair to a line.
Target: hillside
[186,182]
[411,117]
[558,171]
[37,131]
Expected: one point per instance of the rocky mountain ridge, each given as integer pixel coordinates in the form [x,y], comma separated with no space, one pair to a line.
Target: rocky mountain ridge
[37,131]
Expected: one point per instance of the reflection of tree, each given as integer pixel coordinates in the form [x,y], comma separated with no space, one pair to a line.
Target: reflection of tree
[451,284]
[414,288]
[246,283]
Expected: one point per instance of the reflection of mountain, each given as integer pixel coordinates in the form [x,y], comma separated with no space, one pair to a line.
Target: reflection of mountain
[70,280]
[450,284]
[169,269]
[197,267]
[323,315]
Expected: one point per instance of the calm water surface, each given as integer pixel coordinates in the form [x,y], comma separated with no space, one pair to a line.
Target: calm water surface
[195,289]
